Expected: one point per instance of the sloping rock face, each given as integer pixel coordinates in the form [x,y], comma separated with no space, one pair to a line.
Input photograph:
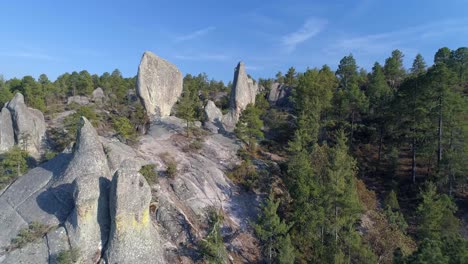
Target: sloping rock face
[28,125]
[159,85]
[7,136]
[243,92]
[133,238]
[279,95]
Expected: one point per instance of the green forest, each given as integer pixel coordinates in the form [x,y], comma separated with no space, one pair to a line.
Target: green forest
[359,167]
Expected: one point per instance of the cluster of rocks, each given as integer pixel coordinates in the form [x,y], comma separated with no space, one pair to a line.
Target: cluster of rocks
[159,86]
[97,97]
[22,125]
[99,203]
[105,215]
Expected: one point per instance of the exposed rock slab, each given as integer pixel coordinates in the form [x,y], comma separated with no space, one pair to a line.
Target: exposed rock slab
[28,124]
[159,85]
[133,238]
[7,136]
[33,253]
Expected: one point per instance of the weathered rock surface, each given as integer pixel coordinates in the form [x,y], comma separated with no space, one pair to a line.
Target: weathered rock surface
[88,155]
[98,96]
[28,125]
[7,136]
[33,253]
[133,238]
[212,112]
[78,99]
[159,85]
[88,226]
[243,92]
[279,94]
[214,117]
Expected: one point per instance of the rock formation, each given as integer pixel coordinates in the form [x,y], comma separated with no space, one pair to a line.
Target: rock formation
[98,96]
[159,85]
[122,219]
[132,238]
[78,99]
[279,94]
[243,92]
[88,225]
[28,124]
[7,136]
[214,117]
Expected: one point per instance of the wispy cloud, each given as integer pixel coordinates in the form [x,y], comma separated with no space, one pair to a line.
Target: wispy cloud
[28,55]
[195,34]
[387,41]
[203,57]
[309,29]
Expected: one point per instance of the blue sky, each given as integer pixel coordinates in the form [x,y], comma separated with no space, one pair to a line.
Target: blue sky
[54,37]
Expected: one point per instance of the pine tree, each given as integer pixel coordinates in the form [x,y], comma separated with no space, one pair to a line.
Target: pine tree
[436,214]
[380,95]
[249,126]
[271,231]
[394,69]
[286,251]
[419,65]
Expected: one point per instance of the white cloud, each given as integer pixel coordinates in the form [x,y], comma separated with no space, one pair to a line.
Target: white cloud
[309,29]
[195,34]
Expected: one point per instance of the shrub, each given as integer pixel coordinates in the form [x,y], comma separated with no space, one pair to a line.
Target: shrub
[171,164]
[148,171]
[245,174]
[34,231]
[68,256]
[171,169]
[124,127]
[193,146]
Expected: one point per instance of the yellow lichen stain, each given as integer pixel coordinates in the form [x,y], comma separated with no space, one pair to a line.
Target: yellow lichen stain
[134,222]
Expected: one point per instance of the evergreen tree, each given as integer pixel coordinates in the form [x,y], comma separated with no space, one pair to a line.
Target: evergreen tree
[271,231]
[436,214]
[394,69]
[286,253]
[380,95]
[249,126]
[290,77]
[419,65]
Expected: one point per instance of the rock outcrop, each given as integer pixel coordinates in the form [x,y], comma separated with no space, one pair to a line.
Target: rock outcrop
[214,117]
[212,112]
[133,238]
[279,94]
[88,225]
[28,125]
[7,136]
[78,99]
[159,85]
[243,92]
[98,96]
